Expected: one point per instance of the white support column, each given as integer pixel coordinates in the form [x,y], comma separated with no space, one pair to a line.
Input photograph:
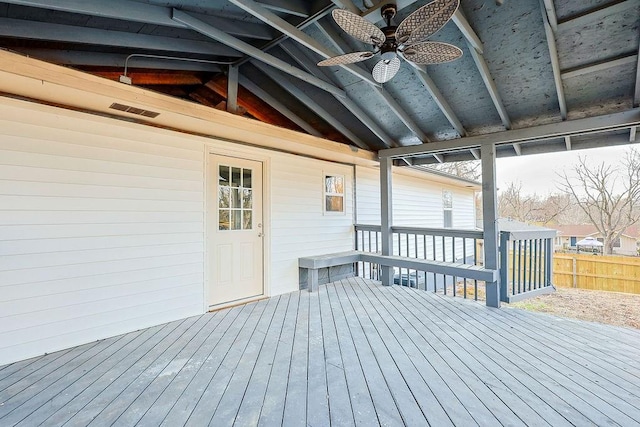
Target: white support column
[386,216]
[490,219]
[232,90]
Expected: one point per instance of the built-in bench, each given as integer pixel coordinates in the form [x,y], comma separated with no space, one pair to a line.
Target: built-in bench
[468,271]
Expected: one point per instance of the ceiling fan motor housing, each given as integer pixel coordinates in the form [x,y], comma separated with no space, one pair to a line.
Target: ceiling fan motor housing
[389,47]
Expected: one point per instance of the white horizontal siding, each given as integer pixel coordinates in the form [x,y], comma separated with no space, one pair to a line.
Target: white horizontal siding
[299,227]
[101,228]
[416,202]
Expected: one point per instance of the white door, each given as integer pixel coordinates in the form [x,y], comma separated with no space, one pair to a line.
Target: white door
[236,238]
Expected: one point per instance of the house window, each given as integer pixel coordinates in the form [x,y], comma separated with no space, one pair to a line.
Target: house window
[447,208]
[616,242]
[334,193]
[573,241]
[235,198]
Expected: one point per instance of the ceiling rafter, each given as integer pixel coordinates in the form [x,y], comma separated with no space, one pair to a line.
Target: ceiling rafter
[304,61]
[550,26]
[252,51]
[298,35]
[128,10]
[298,93]
[421,72]
[600,12]
[481,64]
[339,44]
[348,5]
[85,35]
[117,60]
[277,105]
[286,6]
[600,66]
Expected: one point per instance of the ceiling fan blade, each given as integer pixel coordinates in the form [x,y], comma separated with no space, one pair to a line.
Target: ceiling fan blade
[432,53]
[349,58]
[426,21]
[386,69]
[358,27]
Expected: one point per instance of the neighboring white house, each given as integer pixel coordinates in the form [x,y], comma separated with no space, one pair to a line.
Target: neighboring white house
[108,226]
[569,235]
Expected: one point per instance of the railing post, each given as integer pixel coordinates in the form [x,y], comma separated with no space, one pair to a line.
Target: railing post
[549,255]
[490,219]
[386,217]
[504,266]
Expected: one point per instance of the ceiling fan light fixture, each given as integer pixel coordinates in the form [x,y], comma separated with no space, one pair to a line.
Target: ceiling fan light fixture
[386,70]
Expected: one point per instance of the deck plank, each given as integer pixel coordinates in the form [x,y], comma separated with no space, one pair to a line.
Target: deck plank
[540,366]
[364,412]
[354,353]
[295,408]
[209,400]
[196,387]
[249,410]
[341,412]
[227,409]
[272,410]
[34,411]
[383,398]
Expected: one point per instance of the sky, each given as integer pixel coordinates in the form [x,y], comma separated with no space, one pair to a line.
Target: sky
[537,172]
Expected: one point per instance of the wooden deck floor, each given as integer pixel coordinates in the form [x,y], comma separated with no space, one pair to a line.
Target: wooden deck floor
[355,353]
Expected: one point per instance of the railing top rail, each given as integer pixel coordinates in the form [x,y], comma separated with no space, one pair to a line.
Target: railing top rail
[367,227]
[530,235]
[441,232]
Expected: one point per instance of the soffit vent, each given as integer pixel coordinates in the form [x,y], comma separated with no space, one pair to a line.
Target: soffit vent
[134,110]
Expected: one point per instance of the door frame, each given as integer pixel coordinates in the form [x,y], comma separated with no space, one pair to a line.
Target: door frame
[228,149]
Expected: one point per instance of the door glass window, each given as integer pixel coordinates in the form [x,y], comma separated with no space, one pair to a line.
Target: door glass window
[235,198]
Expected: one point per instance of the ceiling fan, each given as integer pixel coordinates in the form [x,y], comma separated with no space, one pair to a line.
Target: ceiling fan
[406,41]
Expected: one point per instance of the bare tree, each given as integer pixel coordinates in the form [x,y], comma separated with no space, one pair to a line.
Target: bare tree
[531,208]
[469,169]
[608,195]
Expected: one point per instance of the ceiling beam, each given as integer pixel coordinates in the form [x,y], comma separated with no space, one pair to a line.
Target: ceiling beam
[289,7]
[595,14]
[550,21]
[421,72]
[341,47]
[308,64]
[277,105]
[74,34]
[310,103]
[298,35]
[128,10]
[252,51]
[600,66]
[590,125]
[116,60]
[232,89]
[567,142]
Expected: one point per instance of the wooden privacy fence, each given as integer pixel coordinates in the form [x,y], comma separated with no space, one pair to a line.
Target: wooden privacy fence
[602,273]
